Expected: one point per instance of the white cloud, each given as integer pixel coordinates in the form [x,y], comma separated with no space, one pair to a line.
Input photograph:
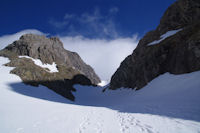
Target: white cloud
[103,55]
[88,24]
[113,10]
[69,16]
[8,39]
[58,24]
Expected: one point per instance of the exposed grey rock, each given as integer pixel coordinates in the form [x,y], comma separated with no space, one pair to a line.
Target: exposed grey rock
[71,67]
[176,54]
[50,50]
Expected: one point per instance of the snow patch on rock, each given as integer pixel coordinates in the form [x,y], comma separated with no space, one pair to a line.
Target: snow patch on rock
[51,67]
[164,36]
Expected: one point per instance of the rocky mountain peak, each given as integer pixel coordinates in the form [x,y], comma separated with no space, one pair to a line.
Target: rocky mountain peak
[30,50]
[179,15]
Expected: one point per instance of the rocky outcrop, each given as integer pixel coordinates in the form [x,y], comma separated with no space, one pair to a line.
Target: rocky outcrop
[176,54]
[71,68]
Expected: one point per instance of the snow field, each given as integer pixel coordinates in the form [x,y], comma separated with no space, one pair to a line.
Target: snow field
[168,104]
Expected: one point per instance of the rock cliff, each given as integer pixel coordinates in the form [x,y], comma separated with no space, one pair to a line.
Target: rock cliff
[174,47]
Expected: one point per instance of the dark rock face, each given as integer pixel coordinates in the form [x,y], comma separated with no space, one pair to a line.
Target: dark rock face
[71,68]
[177,54]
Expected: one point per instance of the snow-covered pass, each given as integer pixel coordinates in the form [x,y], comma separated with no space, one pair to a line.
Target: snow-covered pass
[51,67]
[164,36]
[168,104]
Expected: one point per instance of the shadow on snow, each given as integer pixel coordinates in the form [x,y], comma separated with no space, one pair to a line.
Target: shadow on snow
[120,100]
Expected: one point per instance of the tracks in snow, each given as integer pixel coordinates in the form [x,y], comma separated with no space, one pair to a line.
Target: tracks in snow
[92,122]
[129,124]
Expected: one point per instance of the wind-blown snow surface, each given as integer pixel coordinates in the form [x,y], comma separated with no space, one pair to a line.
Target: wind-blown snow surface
[168,104]
[51,67]
[164,36]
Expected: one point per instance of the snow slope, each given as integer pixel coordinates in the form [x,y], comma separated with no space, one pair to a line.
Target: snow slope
[168,104]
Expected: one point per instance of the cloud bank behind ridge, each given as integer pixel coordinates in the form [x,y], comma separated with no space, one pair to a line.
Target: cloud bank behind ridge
[103,55]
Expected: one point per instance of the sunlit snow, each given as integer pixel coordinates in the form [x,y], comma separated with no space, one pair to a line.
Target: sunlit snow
[103,83]
[168,104]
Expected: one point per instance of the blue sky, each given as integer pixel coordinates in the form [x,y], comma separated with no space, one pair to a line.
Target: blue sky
[89,18]
[102,32]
